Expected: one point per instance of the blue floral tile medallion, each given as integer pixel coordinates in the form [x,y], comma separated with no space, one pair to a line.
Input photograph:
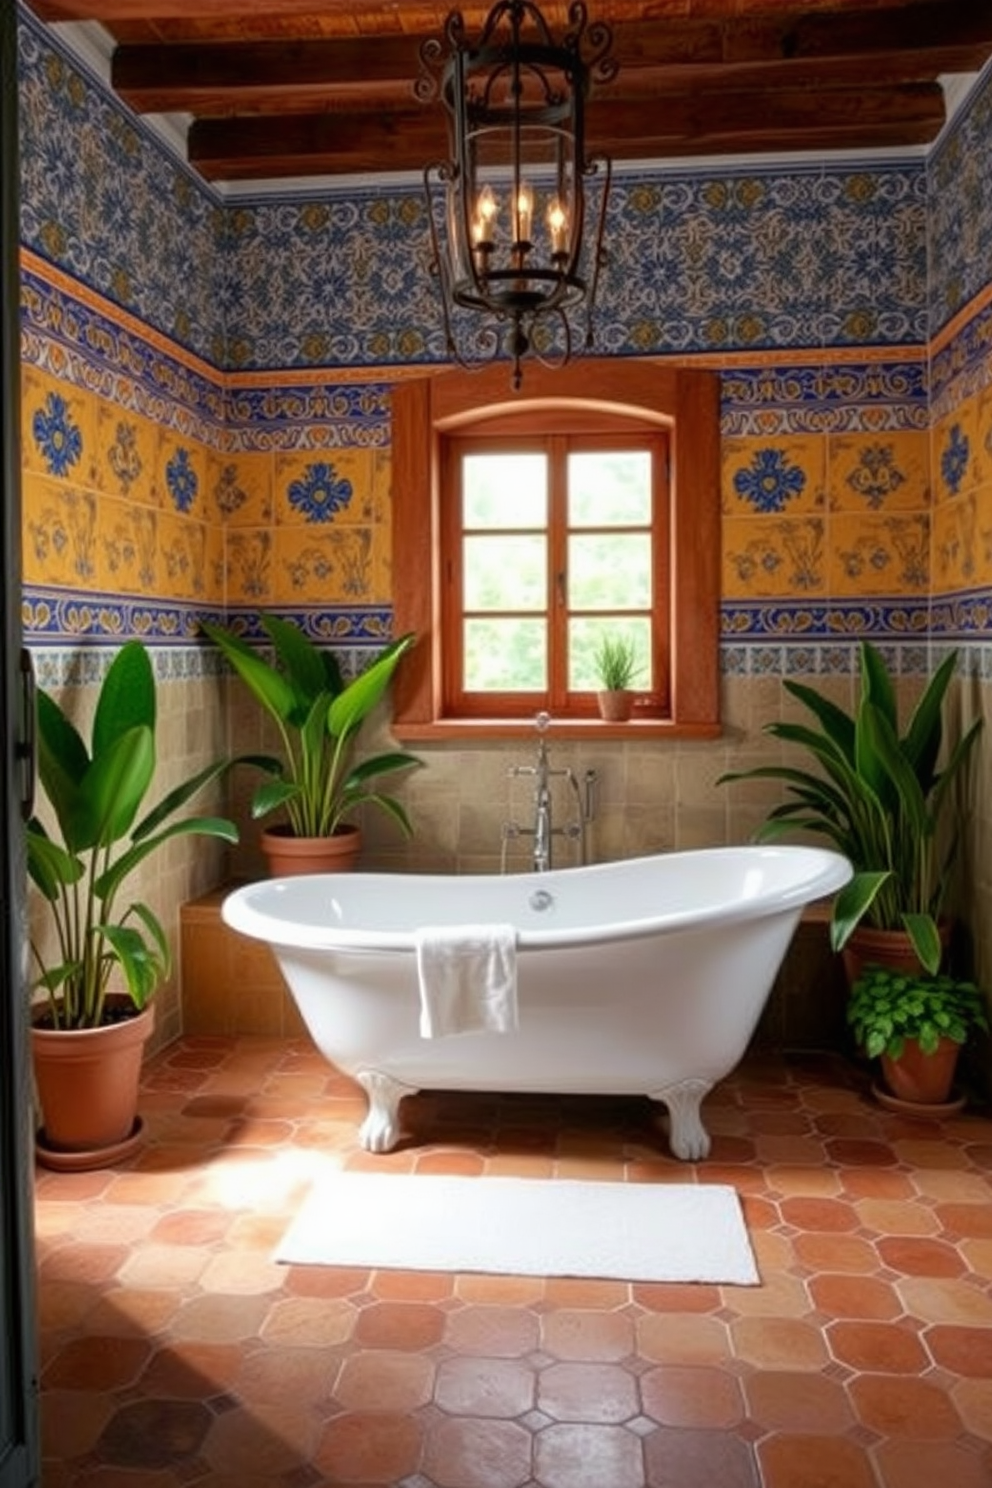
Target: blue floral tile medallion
[56,436]
[770,481]
[954,459]
[181,479]
[320,492]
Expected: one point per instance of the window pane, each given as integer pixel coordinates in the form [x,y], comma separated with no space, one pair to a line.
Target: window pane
[583,641]
[609,488]
[609,571]
[505,656]
[505,490]
[505,573]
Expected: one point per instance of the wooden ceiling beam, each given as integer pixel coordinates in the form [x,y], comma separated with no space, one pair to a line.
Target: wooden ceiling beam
[664,57]
[687,124]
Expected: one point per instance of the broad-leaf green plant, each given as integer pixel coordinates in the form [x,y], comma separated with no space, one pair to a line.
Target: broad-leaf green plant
[886,1007]
[318,715]
[880,796]
[95,793]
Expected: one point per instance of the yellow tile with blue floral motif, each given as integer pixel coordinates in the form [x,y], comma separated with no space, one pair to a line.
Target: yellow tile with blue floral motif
[381,485]
[982,457]
[962,542]
[322,565]
[58,427]
[321,488]
[248,565]
[214,577]
[874,554]
[887,471]
[59,533]
[381,578]
[240,488]
[126,448]
[182,557]
[953,453]
[778,476]
[128,547]
[771,557]
[180,475]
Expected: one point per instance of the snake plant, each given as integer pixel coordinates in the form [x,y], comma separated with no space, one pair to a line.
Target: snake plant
[881,796]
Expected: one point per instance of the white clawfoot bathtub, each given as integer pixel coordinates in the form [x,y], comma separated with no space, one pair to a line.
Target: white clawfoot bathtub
[643,977]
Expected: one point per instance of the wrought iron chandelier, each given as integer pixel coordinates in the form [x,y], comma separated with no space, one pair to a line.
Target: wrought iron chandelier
[508,209]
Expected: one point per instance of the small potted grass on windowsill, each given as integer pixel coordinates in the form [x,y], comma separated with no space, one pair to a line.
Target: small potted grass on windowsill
[615,663]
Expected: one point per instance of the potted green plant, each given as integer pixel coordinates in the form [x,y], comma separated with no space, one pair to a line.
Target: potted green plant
[616,666]
[99,957]
[915,1024]
[318,716]
[883,798]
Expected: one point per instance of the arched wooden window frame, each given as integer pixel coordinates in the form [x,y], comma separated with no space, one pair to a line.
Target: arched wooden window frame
[685,401]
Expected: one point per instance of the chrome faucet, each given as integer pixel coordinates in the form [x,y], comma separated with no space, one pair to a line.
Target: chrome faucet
[544,831]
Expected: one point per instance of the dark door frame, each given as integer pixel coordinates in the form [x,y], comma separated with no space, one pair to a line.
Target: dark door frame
[18,1382]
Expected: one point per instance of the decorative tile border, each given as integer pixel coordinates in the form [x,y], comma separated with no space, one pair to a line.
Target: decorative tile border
[84,339]
[874,395]
[312,415]
[52,616]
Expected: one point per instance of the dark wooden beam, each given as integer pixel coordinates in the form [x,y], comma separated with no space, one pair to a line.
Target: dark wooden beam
[686,124]
[664,57]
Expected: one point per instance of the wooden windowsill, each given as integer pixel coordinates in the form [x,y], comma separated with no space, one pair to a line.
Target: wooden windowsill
[476,730]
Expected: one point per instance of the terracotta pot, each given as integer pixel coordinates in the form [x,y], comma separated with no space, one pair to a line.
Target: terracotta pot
[615,704]
[926,1079]
[891,948]
[288,856]
[87,1083]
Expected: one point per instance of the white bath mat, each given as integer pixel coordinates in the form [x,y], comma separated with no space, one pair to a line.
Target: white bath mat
[523,1226]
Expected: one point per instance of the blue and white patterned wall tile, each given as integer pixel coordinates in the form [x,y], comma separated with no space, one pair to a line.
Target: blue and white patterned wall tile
[103,200]
[959,175]
[711,260]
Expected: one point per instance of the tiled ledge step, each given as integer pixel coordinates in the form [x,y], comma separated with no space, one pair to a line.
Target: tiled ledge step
[232,985]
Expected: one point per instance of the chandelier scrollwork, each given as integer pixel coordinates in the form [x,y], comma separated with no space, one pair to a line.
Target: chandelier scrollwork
[509,208]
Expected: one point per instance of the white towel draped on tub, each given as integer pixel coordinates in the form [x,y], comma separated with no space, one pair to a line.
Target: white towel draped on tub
[468,979]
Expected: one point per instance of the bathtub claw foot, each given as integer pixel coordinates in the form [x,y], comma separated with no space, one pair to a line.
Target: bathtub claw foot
[380,1131]
[688,1137]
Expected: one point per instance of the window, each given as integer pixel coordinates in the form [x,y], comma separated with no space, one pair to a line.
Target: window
[549,543]
[526,525]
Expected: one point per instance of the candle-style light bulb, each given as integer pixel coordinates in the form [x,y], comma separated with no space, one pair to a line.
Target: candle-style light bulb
[524,211]
[485,216]
[557,226]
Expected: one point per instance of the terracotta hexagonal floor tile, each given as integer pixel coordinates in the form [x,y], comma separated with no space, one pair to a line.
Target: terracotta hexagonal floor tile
[699,1459]
[496,1332]
[841,1295]
[578,1456]
[699,1396]
[383,1379]
[583,1334]
[399,1325]
[464,1452]
[904,1407]
[888,1348]
[781,1400]
[965,1351]
[369,1447]
[779,1343]
[593,1393]
[484,1387]
[814,1462]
